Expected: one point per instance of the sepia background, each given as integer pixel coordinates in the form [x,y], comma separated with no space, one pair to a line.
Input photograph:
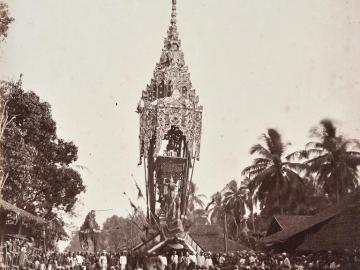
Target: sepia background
[255,64]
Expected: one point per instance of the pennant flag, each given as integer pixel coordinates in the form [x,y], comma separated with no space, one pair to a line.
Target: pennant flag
[133,206]
[140,195]
[131,203]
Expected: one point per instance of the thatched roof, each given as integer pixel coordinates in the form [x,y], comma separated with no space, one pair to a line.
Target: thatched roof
[340,233]
[282,222]
[9,207]
[290,221]
[211,238]
[206,230]
[321,218]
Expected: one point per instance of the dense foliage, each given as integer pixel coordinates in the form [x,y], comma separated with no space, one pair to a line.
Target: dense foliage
[36,163]
[117,233]
[333,160]
[303,182]
[5,20]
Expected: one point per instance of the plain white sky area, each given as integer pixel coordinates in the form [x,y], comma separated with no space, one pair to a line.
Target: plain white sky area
[255,64]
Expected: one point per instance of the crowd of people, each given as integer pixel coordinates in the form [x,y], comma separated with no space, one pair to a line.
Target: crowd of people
[15,251]
[184,260]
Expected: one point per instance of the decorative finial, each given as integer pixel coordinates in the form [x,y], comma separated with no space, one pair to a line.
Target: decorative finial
[173,12]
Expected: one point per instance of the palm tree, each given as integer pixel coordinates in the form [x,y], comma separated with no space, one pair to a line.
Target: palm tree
[216,208]
[332,160]
[219,212]
[198,216]
[196,200]
[275,181]
[236,200]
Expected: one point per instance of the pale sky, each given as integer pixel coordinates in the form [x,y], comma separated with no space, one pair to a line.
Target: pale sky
[255,64]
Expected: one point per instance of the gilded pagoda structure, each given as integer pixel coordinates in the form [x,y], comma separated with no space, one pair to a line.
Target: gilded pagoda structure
[170,136]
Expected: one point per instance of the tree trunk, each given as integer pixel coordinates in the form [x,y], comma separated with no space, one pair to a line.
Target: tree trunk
[337,188]
[279,195]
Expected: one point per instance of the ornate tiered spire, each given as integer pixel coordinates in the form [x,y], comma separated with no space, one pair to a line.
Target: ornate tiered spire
[171,77]
[169,98]
[172,34]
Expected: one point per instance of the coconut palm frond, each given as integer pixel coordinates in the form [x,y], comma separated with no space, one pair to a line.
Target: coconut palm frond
[295,166]
[328,128]
[274,142]
[310,145]
[254,169]
[297,155]
[259,149]
[318,161]
[260,161]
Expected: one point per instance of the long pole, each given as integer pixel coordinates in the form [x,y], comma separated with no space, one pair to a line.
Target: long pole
[225,233]
[187,188]
[147,192]
[44,235]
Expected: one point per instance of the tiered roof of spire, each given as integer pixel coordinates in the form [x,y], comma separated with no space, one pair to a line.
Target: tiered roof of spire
[171,75]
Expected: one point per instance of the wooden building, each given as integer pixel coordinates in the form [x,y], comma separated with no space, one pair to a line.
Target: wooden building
[334,228]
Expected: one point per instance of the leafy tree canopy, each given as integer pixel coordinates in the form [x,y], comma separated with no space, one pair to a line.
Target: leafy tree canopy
[38,164]
[5,20]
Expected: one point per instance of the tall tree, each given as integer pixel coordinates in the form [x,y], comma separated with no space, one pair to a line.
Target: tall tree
[41,179]
[274,179]
[222,214]
[333,160]
[196,200]
[216,208]
[119,233]
[236,200]
[198,217]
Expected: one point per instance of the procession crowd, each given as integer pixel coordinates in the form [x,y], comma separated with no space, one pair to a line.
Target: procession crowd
[178,260]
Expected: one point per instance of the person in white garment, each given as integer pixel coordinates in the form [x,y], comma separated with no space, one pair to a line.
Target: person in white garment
[286,261]
[174,260]
[222,259]
[163,261]
[79,260]
[123,261]
[208,261]
[103,261]
[193,258]
[200,259]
